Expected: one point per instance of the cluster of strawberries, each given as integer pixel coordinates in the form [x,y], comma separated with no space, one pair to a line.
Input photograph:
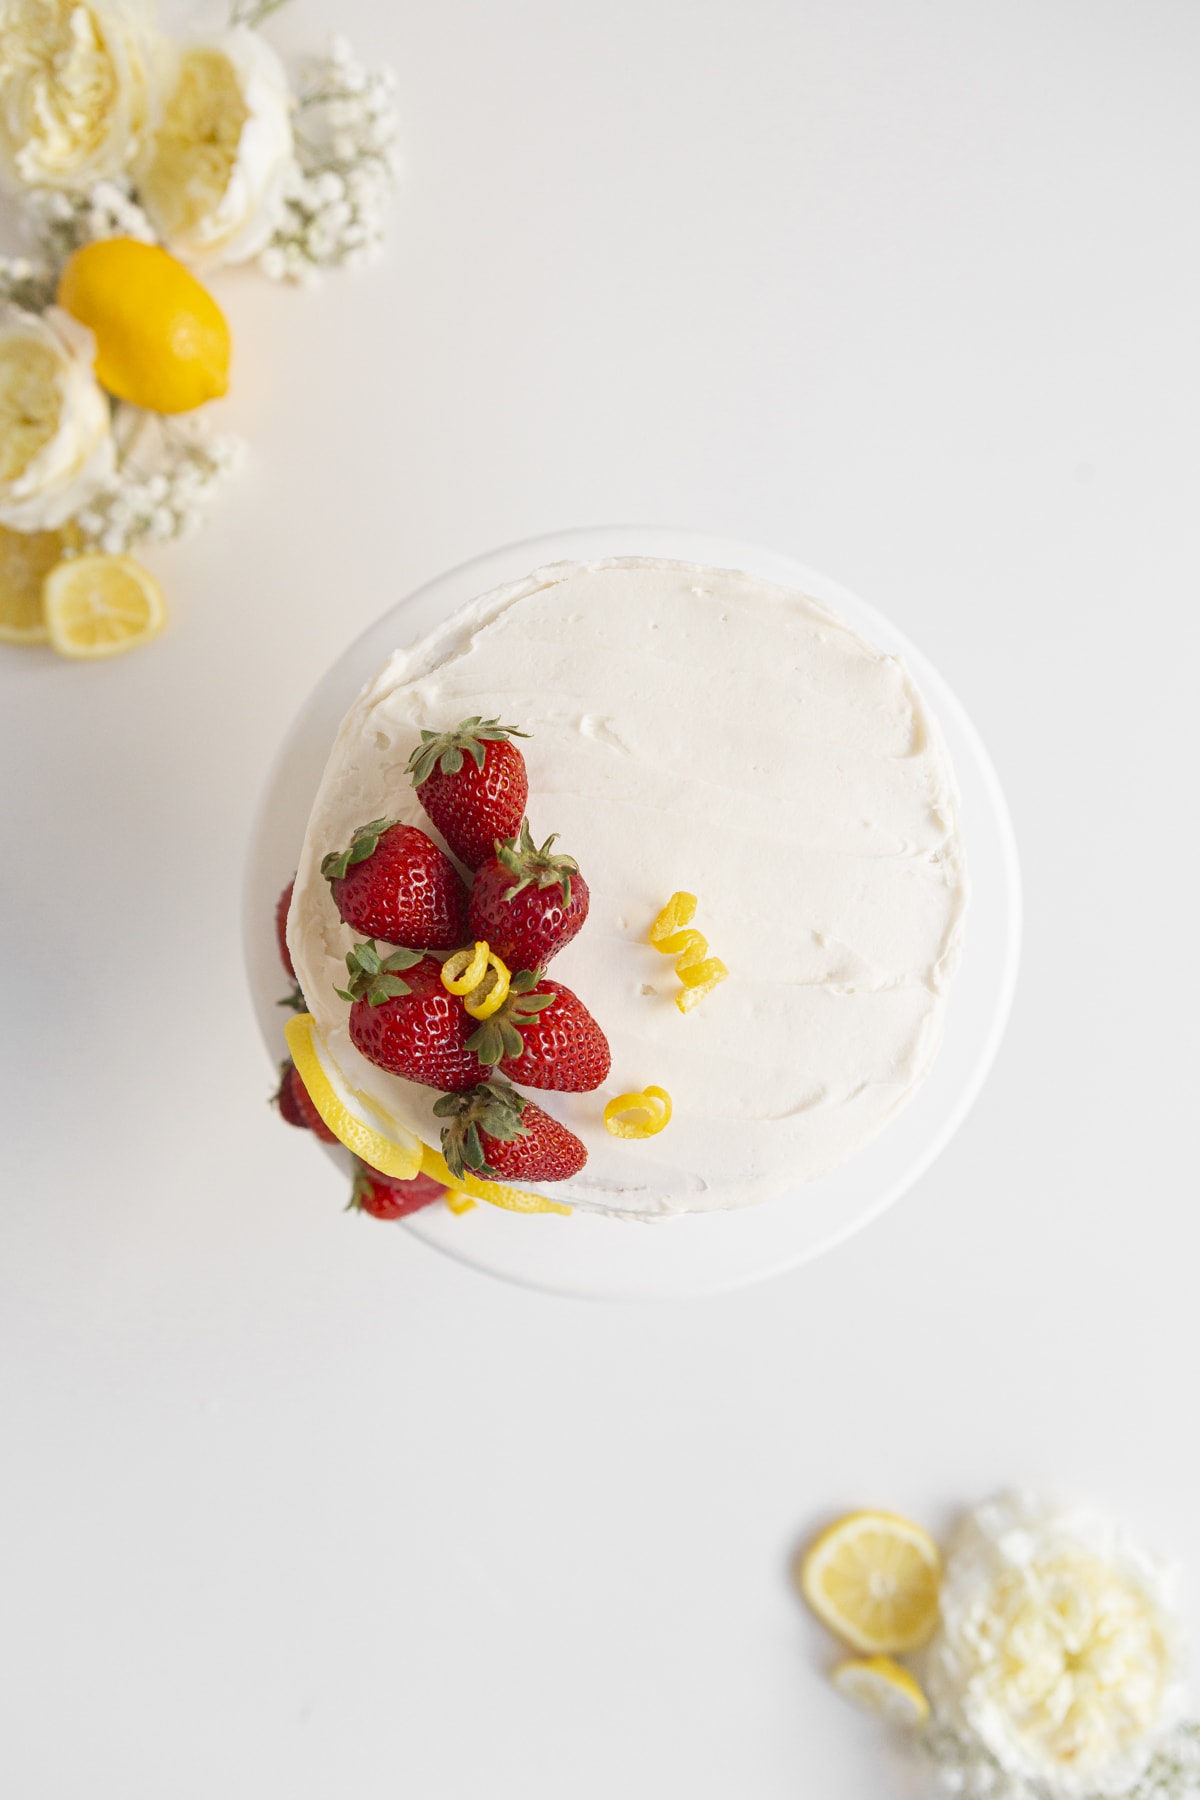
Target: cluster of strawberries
[394,885]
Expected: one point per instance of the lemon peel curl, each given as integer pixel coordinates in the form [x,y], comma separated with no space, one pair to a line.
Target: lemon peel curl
[640,1115]
[698,972]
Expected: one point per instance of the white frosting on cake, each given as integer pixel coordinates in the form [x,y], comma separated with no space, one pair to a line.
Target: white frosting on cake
[697,729]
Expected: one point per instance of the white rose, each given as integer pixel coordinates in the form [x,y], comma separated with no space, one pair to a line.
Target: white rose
[75,89]
[1059,1649]
[215,174]
[56,448]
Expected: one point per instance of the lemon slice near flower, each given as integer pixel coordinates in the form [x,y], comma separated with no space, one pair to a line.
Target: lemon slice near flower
[26,558]
[882,1687]
[161,339]
[101,605]
[873,1578]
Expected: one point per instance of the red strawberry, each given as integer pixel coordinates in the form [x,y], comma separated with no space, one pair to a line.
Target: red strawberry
[410,1026]
[526,902]
[472,783]
[386,1198]
[544,1037]
[394,883]
[295,999]
[297,1108]
[281,913]
[498,1134]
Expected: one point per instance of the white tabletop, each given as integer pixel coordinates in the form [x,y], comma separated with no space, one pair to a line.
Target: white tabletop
[294,1507]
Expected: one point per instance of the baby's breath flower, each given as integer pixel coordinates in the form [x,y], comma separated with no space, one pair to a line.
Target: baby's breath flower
[167,470]
[59,223]
[337,196]
[25,284]
[966,1769]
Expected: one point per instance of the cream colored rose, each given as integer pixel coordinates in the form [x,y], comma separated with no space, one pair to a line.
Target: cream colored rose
[214,177]
[56,448]
[1058,1648]
[75,89]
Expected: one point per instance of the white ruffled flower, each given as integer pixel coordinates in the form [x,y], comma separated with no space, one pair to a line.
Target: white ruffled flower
[56,449]
[1059,1650]
[214,177]
[76,84]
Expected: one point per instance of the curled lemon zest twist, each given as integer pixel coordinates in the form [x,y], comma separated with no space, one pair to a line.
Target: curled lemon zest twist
[464,970]
[638,1115]
[492,991]
[459,1203]
[480,976]
[699,972]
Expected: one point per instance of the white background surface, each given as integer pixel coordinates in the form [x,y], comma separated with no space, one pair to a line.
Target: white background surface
[293,1507]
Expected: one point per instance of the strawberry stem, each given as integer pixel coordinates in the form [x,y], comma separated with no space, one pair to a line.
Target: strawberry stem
[364,843]
[495,1108]
[528,862]
[500,1036]
[445,749]
[375,978]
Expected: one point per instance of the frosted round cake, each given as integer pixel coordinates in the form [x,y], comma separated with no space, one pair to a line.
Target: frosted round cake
[692,729]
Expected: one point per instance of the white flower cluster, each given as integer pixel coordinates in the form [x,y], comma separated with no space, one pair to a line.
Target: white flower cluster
[969,1771]
[110,130]
[335,202]
[25,284]
[167,471]
[60,222]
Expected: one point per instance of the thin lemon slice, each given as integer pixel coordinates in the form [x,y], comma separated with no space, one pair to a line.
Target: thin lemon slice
[398,1156]
[494,1192]
[101,605]
[873,1577]
[882,1687]
[26,558]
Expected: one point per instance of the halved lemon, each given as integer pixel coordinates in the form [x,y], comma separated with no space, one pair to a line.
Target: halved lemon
[873,1577]
[26,558]
[882,1687]
[101,605]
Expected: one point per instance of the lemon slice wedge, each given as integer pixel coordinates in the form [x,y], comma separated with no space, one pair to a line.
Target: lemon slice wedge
[26,558]
[101,605]
[882,1687]
[399,1157]
[494,1192]
[873,1577]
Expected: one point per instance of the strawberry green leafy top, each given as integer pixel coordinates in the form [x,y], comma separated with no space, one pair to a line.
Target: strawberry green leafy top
[494,1108]
[364,843]
[376,978]
[445,749]
[528,862]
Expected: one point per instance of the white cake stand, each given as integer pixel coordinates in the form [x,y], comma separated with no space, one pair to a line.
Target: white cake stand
[601,1258]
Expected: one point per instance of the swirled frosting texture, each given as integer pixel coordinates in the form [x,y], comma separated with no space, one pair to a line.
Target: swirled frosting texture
[689,728]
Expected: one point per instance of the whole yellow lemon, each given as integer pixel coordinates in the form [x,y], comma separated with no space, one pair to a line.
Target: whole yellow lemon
[161,339]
